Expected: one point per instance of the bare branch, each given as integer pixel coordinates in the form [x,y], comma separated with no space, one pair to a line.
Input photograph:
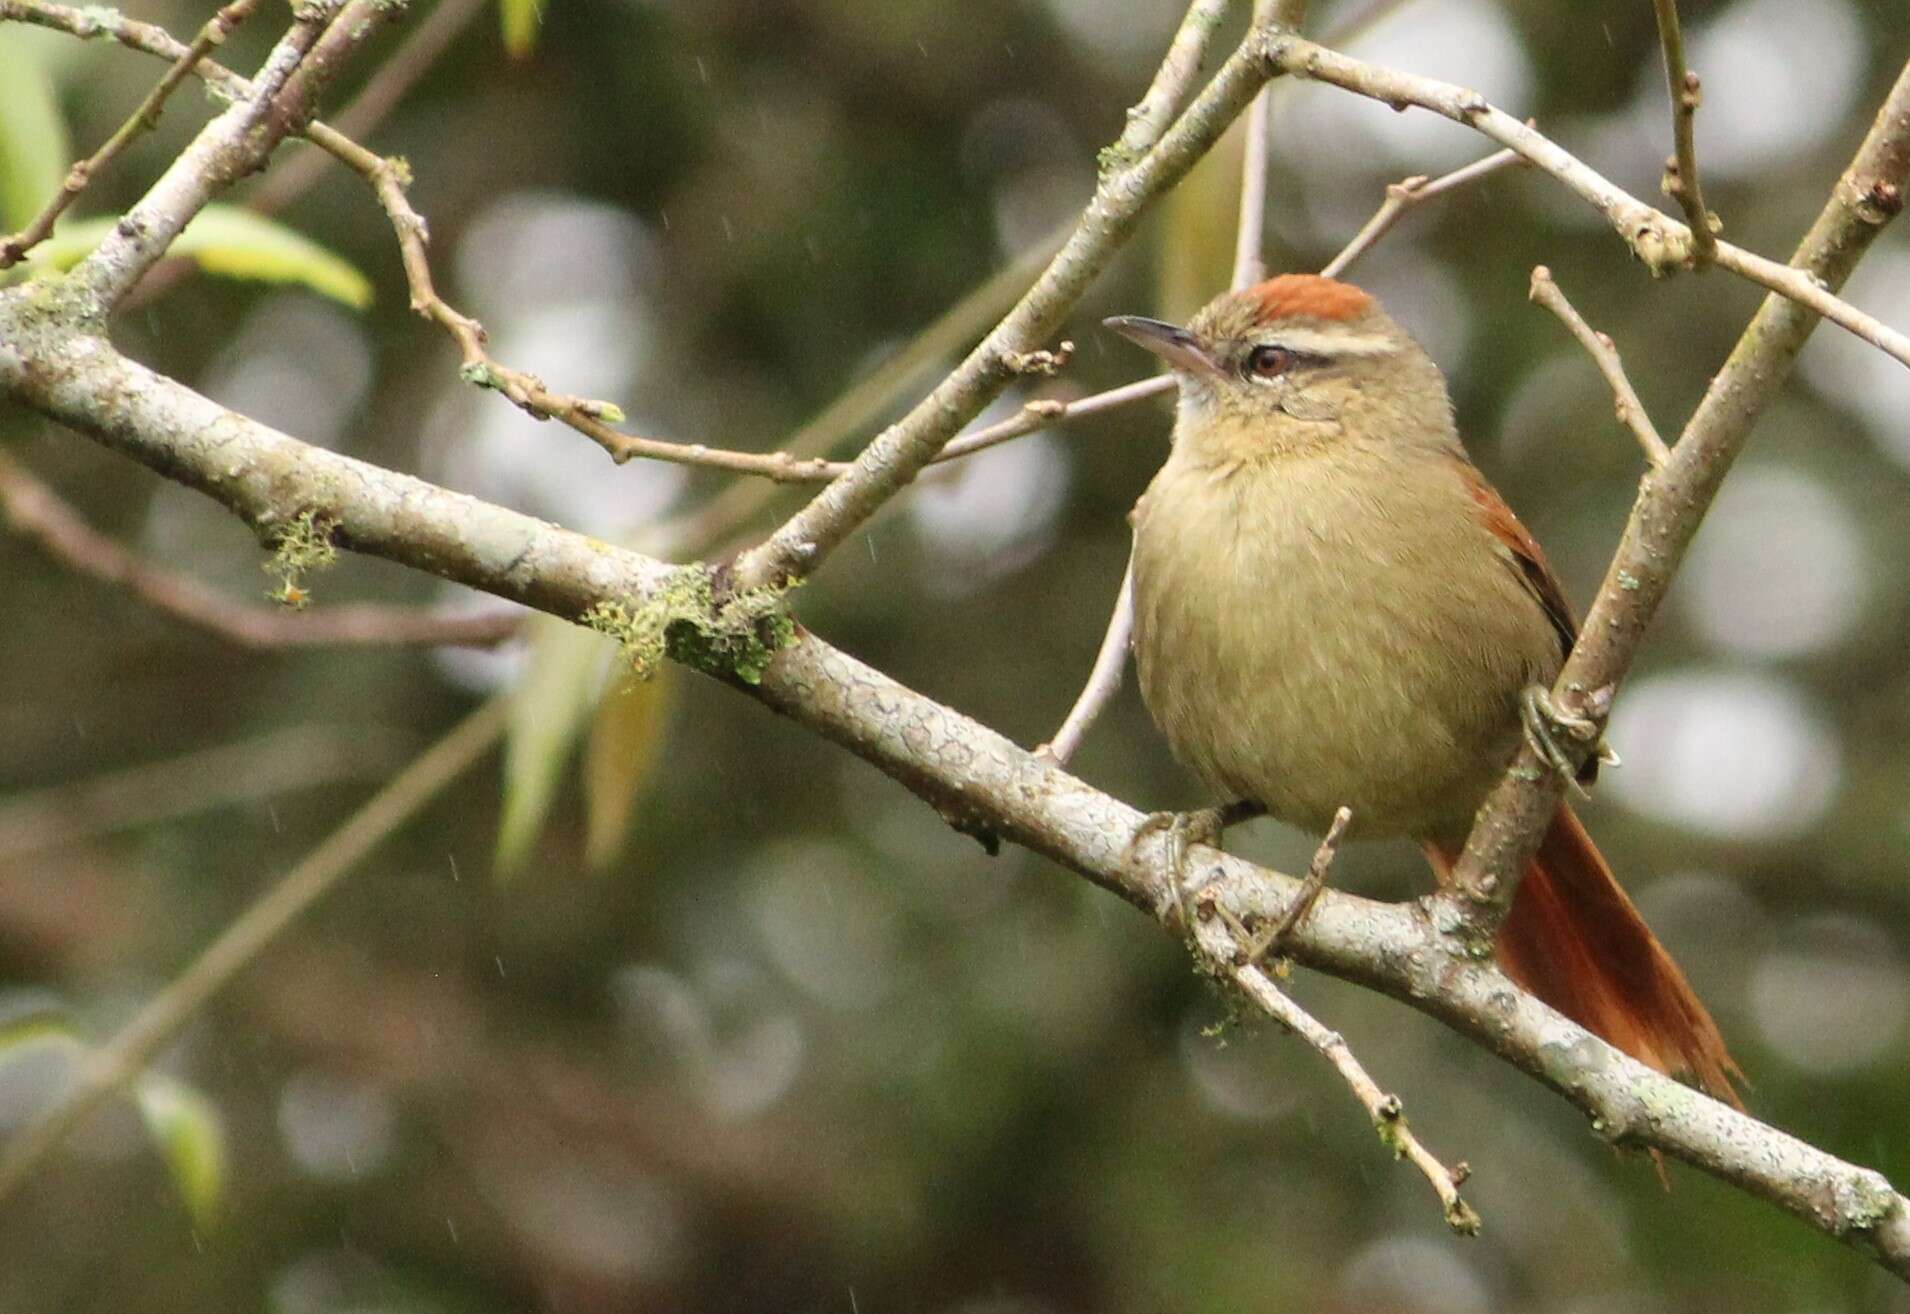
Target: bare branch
[34,511]
[1681,170]
[1657,239]
[421,49]
[1631,411]
[1673,501]
[1174,80]
[14,249]
[1110,664]
[233,144]
[1387,1113]
[1407,193]
[1127,187]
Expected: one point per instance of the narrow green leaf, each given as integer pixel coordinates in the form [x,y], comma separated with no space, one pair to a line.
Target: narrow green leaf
[1196,252]
[626,743]
[34,150]
[40,1026]
[520,20]
[225,239]
[191,1137]
[547,716]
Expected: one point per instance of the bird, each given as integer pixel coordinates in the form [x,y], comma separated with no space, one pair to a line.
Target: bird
[1334,608]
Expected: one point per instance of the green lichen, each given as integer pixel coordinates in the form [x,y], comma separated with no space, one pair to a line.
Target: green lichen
[480,374]
[303,546]
[1116,158]
[732,637]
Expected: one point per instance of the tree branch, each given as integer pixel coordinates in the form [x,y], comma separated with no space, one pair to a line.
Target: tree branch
[53,359]
[1681,170]
[1657,239]
[14,249]
[1128,186]
[1672,502]
[1631,411]
[35,512]
[970,773]
[231,146]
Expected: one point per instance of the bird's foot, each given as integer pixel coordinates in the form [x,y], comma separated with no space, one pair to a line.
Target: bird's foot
[1184,830]
[1548,727]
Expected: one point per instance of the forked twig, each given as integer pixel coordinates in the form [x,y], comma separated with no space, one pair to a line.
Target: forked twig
[14,249]
[1681,170]
[1631,411]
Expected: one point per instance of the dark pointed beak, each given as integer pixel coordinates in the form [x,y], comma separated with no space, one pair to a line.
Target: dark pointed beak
[1172,344]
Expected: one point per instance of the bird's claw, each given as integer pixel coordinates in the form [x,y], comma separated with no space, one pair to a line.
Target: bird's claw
[1184,830]
[1547,724]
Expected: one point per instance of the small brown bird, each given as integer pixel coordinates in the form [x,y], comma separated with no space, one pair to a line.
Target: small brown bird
[1333,607]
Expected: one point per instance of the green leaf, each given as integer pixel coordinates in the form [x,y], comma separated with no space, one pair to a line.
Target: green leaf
[1196,252]
[547,716]
[40,1026]
[34,150]
[626,743]
[190,1136]
[520,19]
[225,239]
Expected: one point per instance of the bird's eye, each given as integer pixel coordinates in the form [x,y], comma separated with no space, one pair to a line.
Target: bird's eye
[1267,362]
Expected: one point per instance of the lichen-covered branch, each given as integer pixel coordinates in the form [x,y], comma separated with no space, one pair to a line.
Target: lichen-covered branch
[972,775]
[33,511]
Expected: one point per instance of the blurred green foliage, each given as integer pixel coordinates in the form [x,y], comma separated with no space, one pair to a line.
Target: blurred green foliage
[797,1046]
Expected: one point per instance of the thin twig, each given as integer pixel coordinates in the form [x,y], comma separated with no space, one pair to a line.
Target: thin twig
[1631,411]
[1672,503]
[1407,193]
[1251,227]
[1681,170]
[107,1069]
[1110,664]
[1128,186]
[233,144]
[414,57]
[14,249]
[1657,239]
[1311,888]
[1174,80]
[34,511]
[1388,1115]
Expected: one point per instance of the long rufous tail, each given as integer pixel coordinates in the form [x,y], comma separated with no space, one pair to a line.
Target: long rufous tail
[1575,940]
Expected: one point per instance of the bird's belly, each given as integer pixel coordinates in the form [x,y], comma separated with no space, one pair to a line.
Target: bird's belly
[1306,656]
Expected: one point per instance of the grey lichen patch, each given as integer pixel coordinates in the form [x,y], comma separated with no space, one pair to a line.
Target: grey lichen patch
[302,547]
[732,637]
[481,374]
[1863,1201]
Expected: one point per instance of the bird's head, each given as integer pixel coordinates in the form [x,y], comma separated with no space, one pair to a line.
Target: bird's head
[1295,362]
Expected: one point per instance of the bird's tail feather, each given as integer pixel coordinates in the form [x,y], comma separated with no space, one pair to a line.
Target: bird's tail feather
[1574,939]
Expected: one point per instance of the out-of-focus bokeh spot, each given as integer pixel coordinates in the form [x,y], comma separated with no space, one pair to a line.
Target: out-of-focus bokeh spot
[1731,754]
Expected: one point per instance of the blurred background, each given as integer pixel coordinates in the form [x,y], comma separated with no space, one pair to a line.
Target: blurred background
[777,1039]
